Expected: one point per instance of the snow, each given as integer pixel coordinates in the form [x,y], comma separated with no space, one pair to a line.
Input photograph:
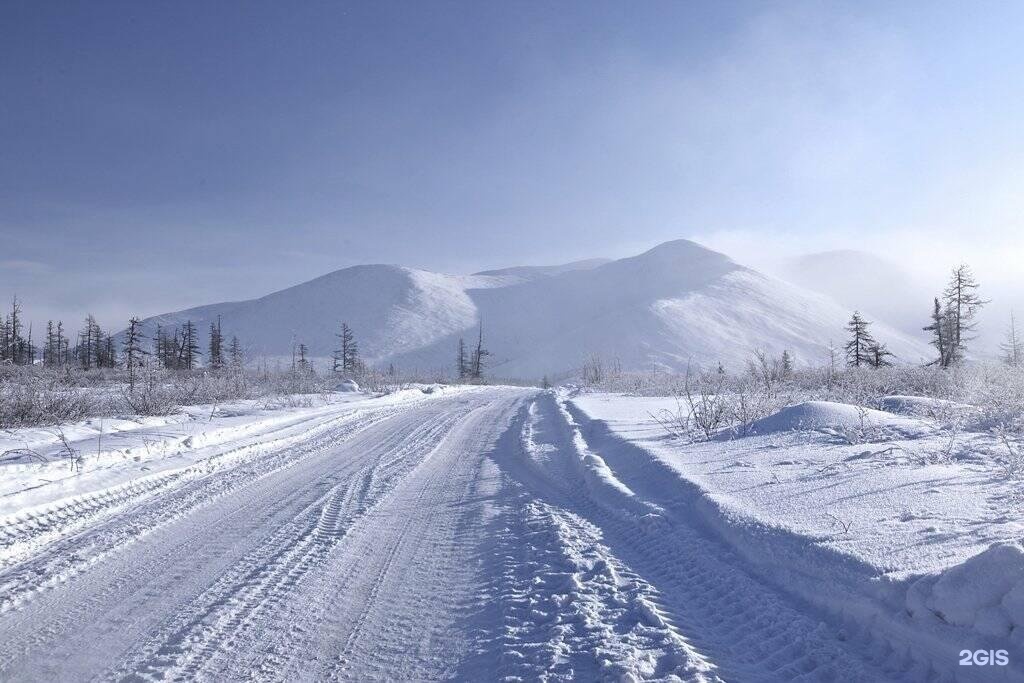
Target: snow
[984,593]
[924,406]
[908,539]
[501,533]
[674,305]
[348,386]
[122,452]
[838,418]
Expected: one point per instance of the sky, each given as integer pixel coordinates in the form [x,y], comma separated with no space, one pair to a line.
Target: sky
[160,155]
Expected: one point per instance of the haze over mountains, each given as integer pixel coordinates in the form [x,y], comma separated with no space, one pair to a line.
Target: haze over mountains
[676,304]
[862,281]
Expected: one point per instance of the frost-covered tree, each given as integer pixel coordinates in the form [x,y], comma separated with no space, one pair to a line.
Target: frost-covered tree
[188,354]
[858,349]
[14,348]
[55,350]
[879,355]
[132,350]
[91,349]
[462,361]
[54,344]
[942,335]
[302,365]
[216,346]
[166,348]
[108,353]
[787,364]
[476,365]
[962,306]
[346,356]
[235,353]
[1012,348]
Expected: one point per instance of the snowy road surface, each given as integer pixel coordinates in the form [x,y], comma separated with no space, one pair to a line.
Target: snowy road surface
[469,536]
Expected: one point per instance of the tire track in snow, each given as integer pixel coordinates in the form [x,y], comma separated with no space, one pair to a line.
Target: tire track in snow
[402,597]
[748,630]
[31,532]
[192,535]
[573,611]
[26,532]
[238,602]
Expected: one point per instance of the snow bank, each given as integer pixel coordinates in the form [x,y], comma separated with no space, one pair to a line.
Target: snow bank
[348,385]
[984,594]
[828,416]
[919,406]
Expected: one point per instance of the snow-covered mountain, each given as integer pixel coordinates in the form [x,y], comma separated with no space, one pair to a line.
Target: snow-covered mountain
[676,304]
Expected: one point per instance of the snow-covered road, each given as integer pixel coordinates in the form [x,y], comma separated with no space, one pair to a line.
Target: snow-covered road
[471,536]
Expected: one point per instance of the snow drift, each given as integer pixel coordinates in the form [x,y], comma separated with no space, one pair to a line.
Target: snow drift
[984,594]
[829,416]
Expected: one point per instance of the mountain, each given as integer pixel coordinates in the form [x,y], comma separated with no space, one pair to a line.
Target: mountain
[518,274]
[674,305]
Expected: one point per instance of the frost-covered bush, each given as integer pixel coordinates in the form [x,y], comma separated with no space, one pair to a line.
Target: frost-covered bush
[31,396]
[972,397]
[34,396]
[709,402]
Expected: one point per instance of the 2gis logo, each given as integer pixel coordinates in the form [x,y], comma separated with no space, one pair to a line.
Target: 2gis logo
[984,657]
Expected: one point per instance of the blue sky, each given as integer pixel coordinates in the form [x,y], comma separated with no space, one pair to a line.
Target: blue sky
[160,155]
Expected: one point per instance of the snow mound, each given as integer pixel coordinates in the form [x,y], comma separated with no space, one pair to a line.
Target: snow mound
[984,594]
[829,416]
[920,406]
[347,386]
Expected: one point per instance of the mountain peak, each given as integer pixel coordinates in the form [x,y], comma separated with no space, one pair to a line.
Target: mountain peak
[683,250]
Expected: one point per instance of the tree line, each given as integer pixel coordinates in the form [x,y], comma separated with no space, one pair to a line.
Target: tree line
[179,348]
[953,322]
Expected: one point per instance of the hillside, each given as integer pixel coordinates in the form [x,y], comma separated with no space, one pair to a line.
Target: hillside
[676,304]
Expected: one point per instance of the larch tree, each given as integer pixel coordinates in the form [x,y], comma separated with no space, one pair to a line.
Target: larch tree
[787,363]
[235,353]
[941,335]
[216,355]
[189,354]
[1013,347]
[133,351]
[302,363]
[858,349]
[879,356]
[476,371]
[49,353]
[91,349]
[962,306]
[462,362]
[346,356]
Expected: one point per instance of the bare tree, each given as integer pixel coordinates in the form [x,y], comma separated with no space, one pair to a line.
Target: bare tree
[188,353]
[479,353]
[1013,347]
[133,351]
[462,362]
[90,350]
[216,356]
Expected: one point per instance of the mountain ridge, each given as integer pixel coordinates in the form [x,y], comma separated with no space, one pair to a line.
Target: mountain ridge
[675,304]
